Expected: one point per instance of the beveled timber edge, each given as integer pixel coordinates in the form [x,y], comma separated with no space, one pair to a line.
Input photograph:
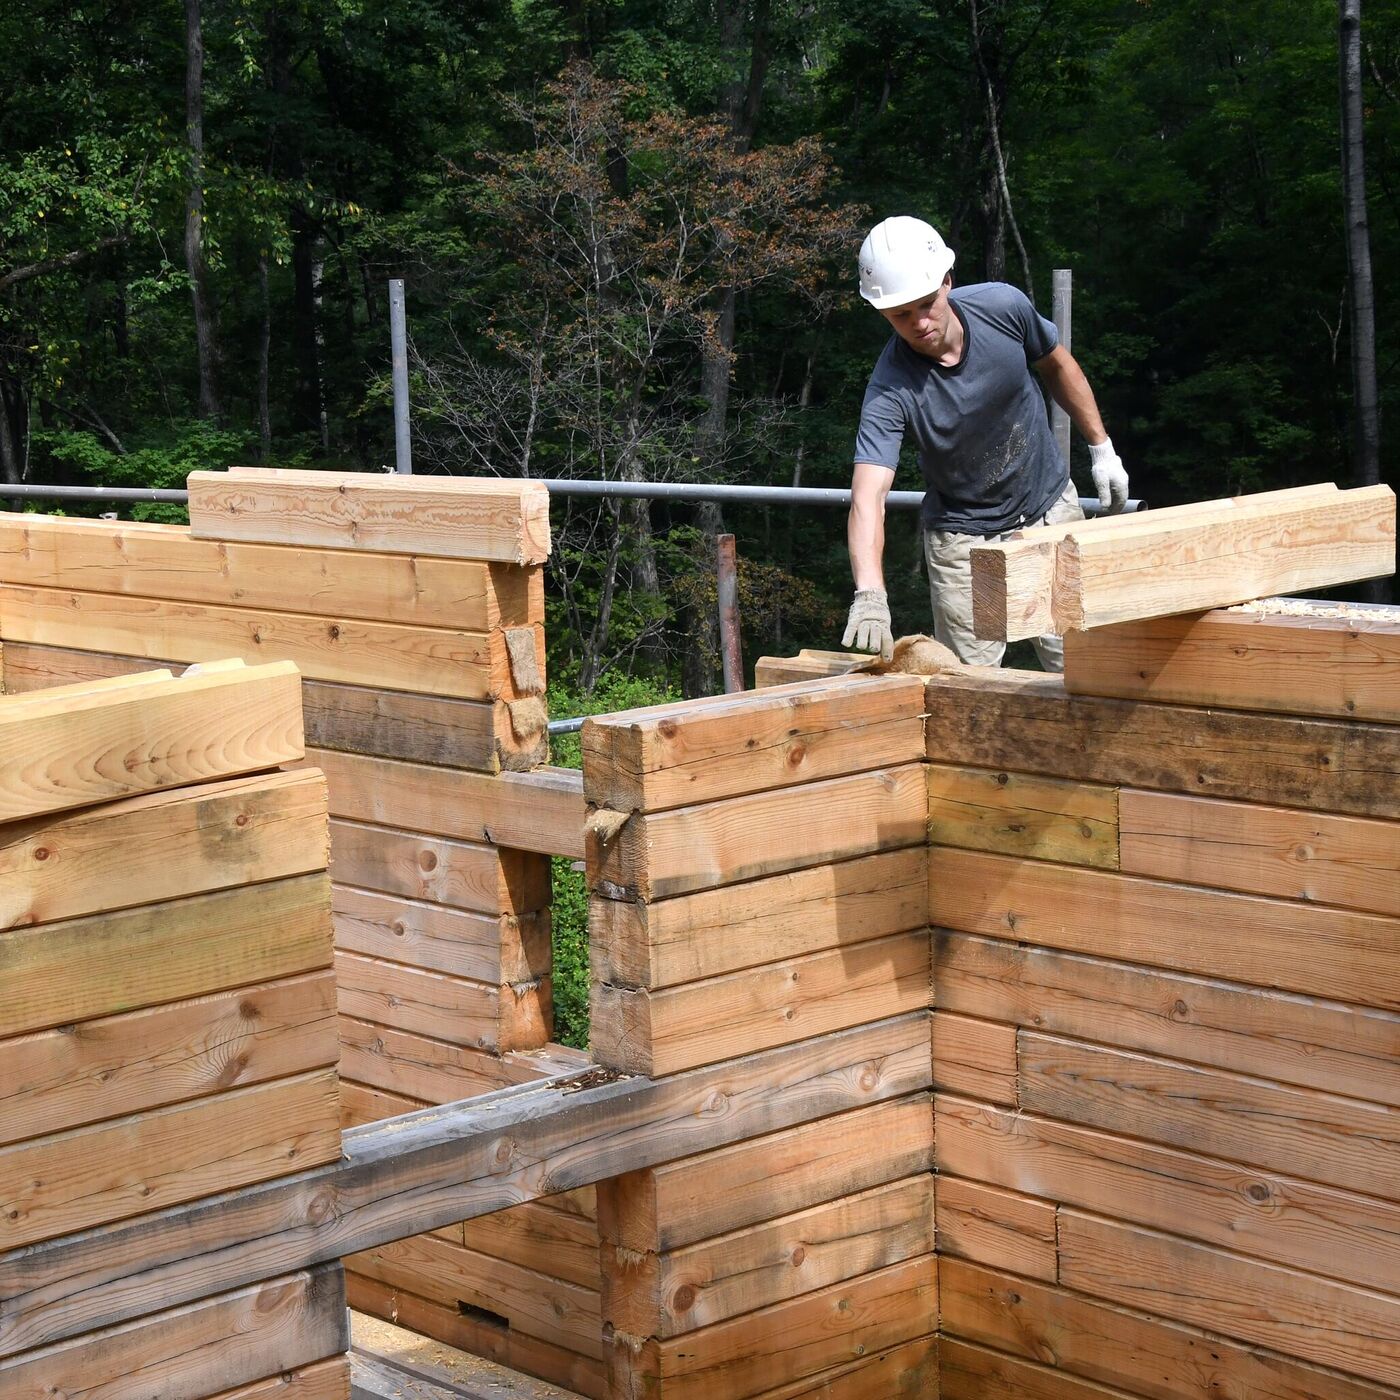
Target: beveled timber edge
[422,1171]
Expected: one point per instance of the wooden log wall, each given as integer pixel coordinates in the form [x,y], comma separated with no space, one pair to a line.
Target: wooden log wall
[415,612]
[1167,1014]
[757,872]
[167,1011]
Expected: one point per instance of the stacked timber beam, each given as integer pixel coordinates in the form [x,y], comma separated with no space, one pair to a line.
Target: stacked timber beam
[414,609]
[1086,574]
[167,1016]
[1167,1024]
[757,875]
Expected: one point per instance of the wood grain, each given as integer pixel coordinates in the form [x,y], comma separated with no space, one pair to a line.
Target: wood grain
[56,754]
[1019,720]
[1341,668]
[491,518]
[116,1065]
[323,1380]
[162,845]
[1020,814]
[967,1372]
[554,1243]
[996,1227]
[166,561]
[694,751]
[107,963]
[974,1057]
[736,926]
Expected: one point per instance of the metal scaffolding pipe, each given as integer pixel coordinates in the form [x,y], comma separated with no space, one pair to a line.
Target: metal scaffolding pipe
[598,490]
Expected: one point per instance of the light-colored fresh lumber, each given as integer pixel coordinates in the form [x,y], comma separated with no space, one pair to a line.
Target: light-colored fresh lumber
[1266,1214]
[1335,1046]
[1333,667]
[1335,953]
[162,845]
[1347,1143]
[540,811]
[1002,1229]
[431,1071]
[1153,568]
[809,664]
[495,948]
[723,930]
[488,518]
[69,1181]
[967,1372]
[1013,580]
[322,1380]
[478,735]
[670,1206]
[443,1165]
[1147,1356]
[721,746]
[198,1350]
[1020,720]
[766,833]
[474,1014]
[166,561]
[745,1356]
[1316,1319]
[712,1281]
[95,746]
[1283,851]
[427,660]
[526,1301]
[1022,814]
[462,874]
[103,964]
[116,1065]
[550,1242]
[678,1028]
[974,1057]
[482,1336]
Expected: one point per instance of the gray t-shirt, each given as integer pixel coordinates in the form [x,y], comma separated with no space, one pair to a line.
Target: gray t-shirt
[989,458]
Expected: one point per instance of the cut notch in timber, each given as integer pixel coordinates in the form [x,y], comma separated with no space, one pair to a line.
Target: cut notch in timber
[1182,559]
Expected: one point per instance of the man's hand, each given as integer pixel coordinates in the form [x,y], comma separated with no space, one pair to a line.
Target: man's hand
[1110,478]
[868,624]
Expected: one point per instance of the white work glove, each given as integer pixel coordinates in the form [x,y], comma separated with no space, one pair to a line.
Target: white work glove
[868,623]
[1110,478]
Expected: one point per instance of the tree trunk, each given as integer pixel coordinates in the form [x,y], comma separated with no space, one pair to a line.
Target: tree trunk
[1366,426]
[264,362]
[13,419]
[206,342]
[306,387]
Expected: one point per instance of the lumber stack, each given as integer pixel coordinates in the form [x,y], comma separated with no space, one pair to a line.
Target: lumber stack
[757,873]
[1166,905]
[415,610]
[1092,573]
[167,1011]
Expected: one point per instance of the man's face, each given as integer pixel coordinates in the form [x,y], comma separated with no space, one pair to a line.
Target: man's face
[923,324]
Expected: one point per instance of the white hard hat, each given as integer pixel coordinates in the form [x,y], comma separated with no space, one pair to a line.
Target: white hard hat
[901,260]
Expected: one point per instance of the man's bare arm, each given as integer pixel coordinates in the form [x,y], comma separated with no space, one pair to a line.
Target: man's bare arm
[865,526]
[1070,389]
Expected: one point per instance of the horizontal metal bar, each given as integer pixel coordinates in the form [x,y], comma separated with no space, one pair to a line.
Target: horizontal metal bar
[565,726]
[588,490]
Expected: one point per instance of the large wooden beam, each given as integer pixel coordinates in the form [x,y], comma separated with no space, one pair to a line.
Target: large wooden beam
[164,561]
[1187,558]
[489,518]
[1291,658]
[74,747]
[427,1170]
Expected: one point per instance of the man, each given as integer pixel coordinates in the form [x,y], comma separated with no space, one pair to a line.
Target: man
[956,377]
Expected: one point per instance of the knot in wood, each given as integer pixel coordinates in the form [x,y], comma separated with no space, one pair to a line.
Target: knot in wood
[684,1298]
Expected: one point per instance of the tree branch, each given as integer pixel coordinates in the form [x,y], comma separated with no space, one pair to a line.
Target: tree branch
[57,264]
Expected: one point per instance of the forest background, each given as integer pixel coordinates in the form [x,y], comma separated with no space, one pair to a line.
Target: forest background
[627,230]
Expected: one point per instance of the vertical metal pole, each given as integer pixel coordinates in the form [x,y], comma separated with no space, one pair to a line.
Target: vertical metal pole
[730,645]
[398,337]
[1062,299]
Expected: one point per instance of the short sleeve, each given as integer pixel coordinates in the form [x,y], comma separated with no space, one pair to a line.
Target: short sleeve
[1039,335]
[881,431]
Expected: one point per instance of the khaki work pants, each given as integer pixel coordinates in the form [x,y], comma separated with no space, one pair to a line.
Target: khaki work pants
[949,559]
